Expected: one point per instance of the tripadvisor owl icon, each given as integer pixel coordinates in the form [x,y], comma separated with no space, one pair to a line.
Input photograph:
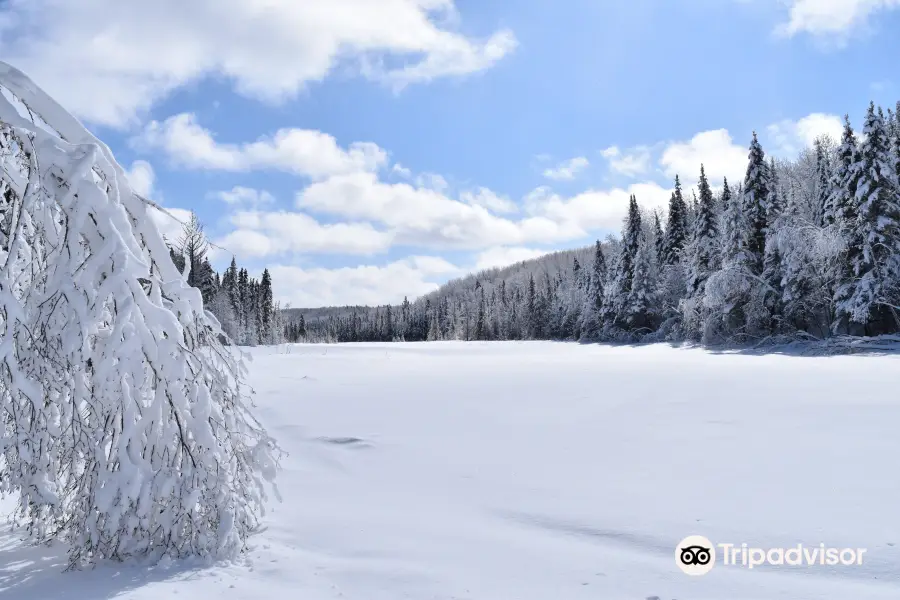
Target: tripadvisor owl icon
[695,555]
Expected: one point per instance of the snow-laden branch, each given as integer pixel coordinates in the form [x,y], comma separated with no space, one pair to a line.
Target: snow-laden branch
[125,425]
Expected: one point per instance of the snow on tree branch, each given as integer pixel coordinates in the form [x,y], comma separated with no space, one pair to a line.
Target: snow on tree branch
[125,425]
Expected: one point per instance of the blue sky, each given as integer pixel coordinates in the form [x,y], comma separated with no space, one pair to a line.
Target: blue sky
[364,151]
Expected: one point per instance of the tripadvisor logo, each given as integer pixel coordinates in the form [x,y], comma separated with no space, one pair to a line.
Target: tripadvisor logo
[696,555]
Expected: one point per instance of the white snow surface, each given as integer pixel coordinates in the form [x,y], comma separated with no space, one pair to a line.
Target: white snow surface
[545,471]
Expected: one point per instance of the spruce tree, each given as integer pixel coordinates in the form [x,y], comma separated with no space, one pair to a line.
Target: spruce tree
[593,306]
[659,238]
[531,309]
[266,307]
[676,227]
[841,205]
[773,273]
[640,314]
[704,252]
[754,206]
[480,328]
[823,186]
[874,282]
[620,291]
[243,290]
[896,142]
[842,213]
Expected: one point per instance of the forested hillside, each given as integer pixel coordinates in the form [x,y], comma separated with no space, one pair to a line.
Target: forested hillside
[802,248]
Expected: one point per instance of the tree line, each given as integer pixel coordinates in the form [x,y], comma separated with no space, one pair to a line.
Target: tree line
[243,306]
[802,248]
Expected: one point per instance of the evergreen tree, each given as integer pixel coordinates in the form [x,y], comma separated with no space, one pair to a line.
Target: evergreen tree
[841,204]
[593,306]
[896,142]
[480,326]
[659,239]
[704,253]
[388,324]
[754,206]
[823,186]
[620,290]
[874,284]
[772,268]
[640,314]
[266,308]
[843,213]
[531,308]
[677,226]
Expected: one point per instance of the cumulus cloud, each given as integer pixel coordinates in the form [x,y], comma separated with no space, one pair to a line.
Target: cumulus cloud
[141,178]
[401,171]
[170,225]
[790,137]
[432,181]
[631,163]
[596,209]
[259,234]
[299,151]
[568,169]
[110,60]
[307,287]
[240,196]
[425,217]
[831,17]
[715,150]
[489,200]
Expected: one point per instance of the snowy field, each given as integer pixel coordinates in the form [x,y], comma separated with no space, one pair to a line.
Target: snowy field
[542,471]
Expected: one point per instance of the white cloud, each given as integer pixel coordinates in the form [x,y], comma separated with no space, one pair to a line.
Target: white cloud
[244,197]
[425,217]
[171,228]
[790,137]
[502,257]
[489,200]
[260,234]
[170,224]
[634,162]
[432,181]
[715,150]
[110,60]
[568,169]
[364,284]
[611,152]
[401,171]
[830,17]
[299,151]
[596,209]
[141,178]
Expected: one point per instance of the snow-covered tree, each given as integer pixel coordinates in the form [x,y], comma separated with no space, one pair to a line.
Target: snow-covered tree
[192,247]
[703,256]
[641,308]
[773,272]
[659,239]
[759,262]
[677,226]
[869,297]
[125,426]
[593,306]
[754,206]
[823,184]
